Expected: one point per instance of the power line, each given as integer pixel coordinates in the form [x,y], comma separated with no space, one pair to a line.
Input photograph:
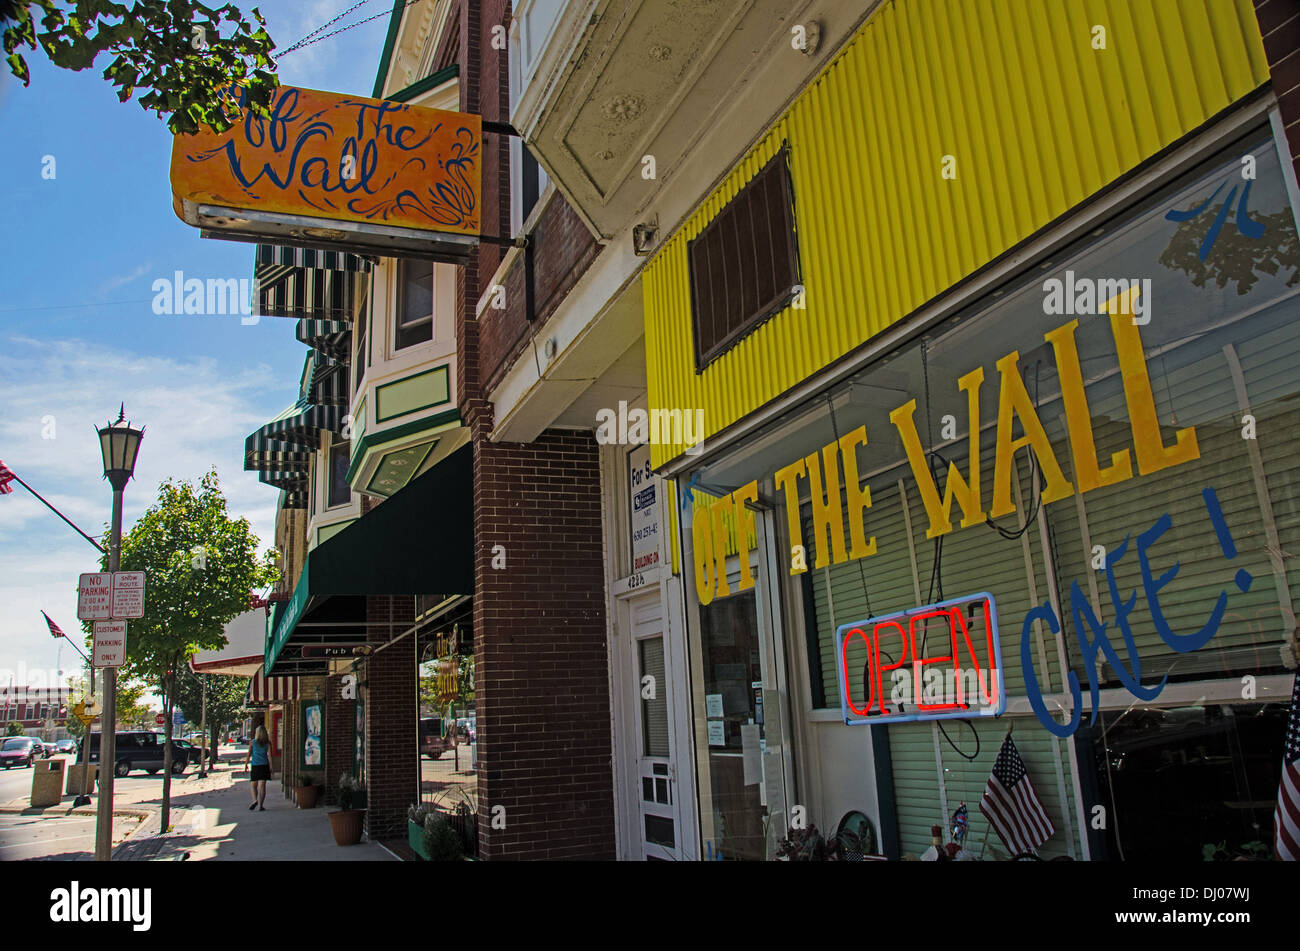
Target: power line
[308,41]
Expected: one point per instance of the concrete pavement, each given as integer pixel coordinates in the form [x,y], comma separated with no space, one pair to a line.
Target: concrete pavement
[210,820]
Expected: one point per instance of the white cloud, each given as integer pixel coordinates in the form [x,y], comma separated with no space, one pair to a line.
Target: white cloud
[121,279]
[196,412]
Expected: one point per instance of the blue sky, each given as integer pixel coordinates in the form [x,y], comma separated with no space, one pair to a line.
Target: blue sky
[78,334]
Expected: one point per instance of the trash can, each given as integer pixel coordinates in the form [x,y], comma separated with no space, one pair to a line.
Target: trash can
[76,773]
[47,782]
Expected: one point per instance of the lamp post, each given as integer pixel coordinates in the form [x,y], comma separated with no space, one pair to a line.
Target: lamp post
[120,443]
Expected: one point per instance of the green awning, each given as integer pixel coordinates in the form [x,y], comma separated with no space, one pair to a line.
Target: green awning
[324,380]
[331,337]
[420,541]
[299,425]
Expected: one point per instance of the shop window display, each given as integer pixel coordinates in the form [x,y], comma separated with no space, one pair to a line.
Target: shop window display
[1135,490]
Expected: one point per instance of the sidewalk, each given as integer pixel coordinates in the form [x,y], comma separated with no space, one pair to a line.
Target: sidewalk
[211,821]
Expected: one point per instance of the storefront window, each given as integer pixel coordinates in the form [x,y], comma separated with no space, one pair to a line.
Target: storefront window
[447,735]
[1131,404]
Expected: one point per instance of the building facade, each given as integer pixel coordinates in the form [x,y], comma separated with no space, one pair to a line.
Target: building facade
[835,392]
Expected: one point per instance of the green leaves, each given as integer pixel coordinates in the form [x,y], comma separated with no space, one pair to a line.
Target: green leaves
[189,598]
[155,38]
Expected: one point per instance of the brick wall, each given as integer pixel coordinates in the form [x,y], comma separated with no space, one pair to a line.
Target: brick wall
[541,662]
[1279,24]
[340,716]
[563,249]
[391,729]
[540,653]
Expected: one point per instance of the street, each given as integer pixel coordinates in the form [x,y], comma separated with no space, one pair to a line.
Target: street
[63,837]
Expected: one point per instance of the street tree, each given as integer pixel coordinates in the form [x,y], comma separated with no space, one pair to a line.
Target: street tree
[199,566]
[173,51]
[14,728]
[225,699]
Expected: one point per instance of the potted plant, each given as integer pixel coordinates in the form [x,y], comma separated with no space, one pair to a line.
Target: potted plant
[346,821]
[306,792]
[415,816]
[441,842]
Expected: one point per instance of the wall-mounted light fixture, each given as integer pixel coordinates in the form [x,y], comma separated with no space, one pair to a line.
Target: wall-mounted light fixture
[644,236]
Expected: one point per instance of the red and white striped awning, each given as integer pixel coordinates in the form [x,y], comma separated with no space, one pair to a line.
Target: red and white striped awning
[263,690]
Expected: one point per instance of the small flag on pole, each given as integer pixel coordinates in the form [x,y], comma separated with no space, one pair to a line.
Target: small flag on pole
[5,478]
[55,630]
[1012,806]
[1286,817]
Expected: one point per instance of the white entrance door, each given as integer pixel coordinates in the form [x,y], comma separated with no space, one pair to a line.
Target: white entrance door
[659,829]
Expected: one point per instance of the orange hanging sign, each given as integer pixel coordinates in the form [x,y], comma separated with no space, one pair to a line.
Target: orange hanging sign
[378,164]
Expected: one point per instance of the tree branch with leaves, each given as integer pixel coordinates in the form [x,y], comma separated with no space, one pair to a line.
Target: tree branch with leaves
[200,565]
[172,50]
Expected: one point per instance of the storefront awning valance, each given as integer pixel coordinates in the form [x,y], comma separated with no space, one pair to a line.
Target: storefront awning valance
[331,337]
[299,425]
[272,256]
[295,498]
[292,481]
[304,292]
[267,454]
[263,690]
[420,541]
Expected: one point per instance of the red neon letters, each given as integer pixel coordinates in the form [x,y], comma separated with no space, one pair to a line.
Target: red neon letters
[936,661]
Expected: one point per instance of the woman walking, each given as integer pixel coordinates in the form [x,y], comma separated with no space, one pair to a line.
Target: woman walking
[259,754]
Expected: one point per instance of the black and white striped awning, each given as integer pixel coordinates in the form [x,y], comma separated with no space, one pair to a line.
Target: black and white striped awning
[331,337]
[325,380]
[290,290]
[299,425]
[274,261]
[293,499]
[262,453]
[292,480]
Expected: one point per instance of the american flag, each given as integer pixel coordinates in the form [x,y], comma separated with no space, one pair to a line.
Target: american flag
[55,630]
[1011,805]
[5,478]
[1286,817]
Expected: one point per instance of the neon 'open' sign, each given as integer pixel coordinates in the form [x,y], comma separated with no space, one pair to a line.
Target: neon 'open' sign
[940,661]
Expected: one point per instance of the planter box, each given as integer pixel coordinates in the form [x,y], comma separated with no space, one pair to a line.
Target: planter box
[306,796]
[415,839]
[346,824]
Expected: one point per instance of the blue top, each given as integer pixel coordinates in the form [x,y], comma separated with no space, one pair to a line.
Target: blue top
[261,754]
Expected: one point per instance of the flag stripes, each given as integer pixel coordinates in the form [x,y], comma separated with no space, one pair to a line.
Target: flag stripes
[1012,806]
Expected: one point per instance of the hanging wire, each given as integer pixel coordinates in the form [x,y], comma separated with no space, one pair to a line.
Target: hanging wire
[308,39]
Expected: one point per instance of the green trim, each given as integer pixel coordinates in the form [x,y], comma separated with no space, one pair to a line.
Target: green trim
[444,369]
[370,441]
[390,41]
[428,448]
[326,532]
[424,85]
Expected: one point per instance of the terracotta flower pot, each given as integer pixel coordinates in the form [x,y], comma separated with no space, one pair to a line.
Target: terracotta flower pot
[346,825]
[306,796]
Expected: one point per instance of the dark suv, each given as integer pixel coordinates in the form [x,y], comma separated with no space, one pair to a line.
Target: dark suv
[139,749]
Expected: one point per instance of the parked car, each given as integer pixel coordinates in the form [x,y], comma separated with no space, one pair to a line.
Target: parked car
[140,749]
[20,751]
[432,741]
[193,750]
[65,746]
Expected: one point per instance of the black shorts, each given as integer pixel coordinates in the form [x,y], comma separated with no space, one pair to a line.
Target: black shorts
[260,774]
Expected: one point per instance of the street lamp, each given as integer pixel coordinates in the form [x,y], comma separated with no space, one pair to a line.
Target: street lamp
[120,443]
